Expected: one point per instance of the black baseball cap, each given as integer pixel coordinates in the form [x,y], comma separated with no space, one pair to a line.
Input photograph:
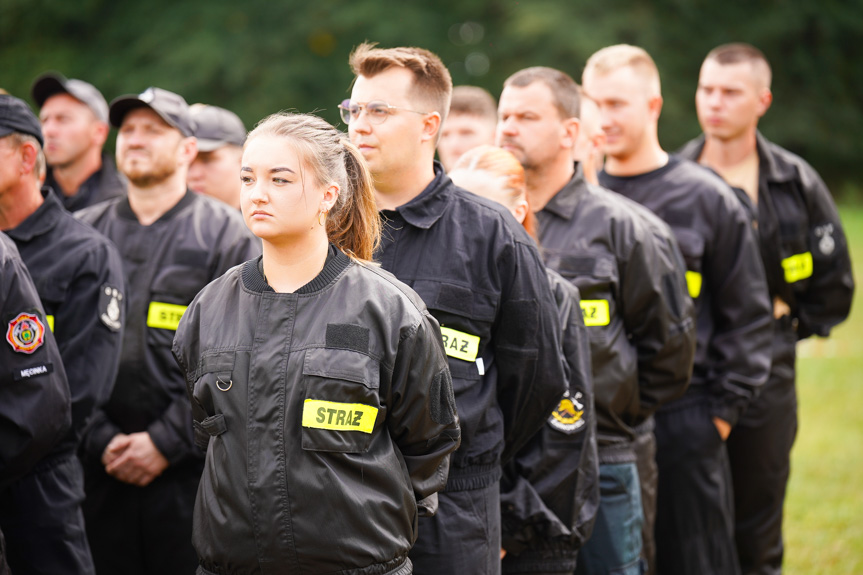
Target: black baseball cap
[51,83]
[16,116]
[169,106]
[216,127]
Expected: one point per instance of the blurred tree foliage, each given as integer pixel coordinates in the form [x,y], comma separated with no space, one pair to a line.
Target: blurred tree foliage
[259,56]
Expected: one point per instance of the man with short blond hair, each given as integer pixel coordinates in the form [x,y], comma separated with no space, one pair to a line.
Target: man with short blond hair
[808,267]
[482,279]
[694,511]
[74,118]
[590,142]
[471,122]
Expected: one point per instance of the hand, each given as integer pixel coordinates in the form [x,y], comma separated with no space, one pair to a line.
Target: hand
[116,446]
[502,554]
[723,427]
[780,308]
[139,462]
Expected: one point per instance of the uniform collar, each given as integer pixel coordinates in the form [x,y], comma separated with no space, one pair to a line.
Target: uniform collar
[565,201]
[427,208]
[124,208]
[42,220]
[335,264]
[773,168]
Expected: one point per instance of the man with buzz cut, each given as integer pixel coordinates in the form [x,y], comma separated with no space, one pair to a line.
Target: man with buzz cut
[694,509]
[808,269]
[220,134]
[79,277]
[470,123]
[626,264]
[142,465]
[74,118]
[481,277]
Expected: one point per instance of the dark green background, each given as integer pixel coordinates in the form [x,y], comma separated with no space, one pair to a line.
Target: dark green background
[259,56]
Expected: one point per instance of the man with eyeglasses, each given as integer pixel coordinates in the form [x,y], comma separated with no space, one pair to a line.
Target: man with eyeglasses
[480,276]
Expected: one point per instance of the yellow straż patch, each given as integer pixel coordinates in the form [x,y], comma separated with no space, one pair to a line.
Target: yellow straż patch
[319,414]
[459,344]
[797,267]
[165,315]
[595,312]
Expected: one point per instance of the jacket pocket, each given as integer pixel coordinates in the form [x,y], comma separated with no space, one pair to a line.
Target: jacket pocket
[341,407]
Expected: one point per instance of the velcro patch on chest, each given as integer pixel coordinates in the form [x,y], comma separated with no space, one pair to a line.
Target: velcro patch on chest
[459,344]
[319,414]
[595,312]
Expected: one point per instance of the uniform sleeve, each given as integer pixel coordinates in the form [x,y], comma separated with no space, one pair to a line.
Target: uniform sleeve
[827,299]
[90,330]
[422,418]
[34,395]
[659,316]
[742,314]
[526,335]
[550,489]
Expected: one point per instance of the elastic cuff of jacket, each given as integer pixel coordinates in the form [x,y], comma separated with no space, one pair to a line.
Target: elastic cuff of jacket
[97,440]
[159,436]
[724,411]
[472,477]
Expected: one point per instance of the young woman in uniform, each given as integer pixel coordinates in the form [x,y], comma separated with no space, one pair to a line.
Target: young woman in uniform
[318,381]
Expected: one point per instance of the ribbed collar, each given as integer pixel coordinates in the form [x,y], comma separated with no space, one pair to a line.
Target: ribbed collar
[336,263]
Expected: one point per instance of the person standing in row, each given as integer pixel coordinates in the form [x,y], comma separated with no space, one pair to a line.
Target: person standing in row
[550,489]
[79,277]
[482,279]
[694,509]
[809,277]
[34,396]
[629,271]
[220,134]
[470,123]
[143,467]
[343,355]
[74,118]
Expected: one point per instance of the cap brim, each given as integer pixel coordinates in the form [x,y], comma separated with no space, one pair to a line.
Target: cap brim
[210,145]
[46,86]
[125,104]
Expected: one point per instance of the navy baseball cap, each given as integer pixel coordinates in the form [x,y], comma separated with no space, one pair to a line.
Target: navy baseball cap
[169,106]
[216,127]
[17,117]
[49,84]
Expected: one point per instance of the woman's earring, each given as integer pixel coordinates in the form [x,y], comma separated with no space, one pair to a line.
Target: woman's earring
[322,218]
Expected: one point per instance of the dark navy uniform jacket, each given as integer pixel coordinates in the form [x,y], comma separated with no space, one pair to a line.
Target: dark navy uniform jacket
[724,276]
[103,184]
[481,277]
[640,320]
[79,277]
[802,242]
[165,264]
[34,397]
[550,489]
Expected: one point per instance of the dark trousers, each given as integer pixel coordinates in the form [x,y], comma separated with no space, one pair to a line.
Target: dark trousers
[695,502]
[143,530]
[41,517]
[759,449]
[463,536]
[648,475]
[614,548]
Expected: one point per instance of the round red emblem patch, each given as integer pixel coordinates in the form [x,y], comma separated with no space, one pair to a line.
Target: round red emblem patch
[26,333]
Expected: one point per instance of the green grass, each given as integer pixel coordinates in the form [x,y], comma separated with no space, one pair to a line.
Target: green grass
[824,505]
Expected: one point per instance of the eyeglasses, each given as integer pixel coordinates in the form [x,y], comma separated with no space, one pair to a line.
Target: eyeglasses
[376,112]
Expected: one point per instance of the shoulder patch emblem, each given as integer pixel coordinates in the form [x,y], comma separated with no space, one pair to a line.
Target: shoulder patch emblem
[110,299]
[26,333]
[826,244]
[568,416]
